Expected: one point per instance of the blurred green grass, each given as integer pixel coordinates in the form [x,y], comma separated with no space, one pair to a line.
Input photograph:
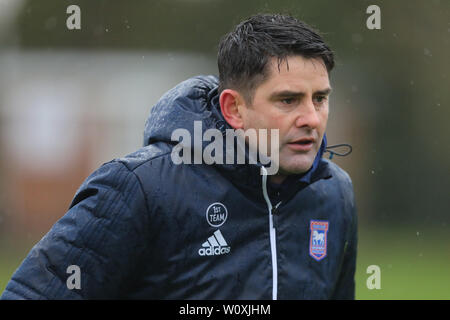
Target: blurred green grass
[414,264]
[12,254]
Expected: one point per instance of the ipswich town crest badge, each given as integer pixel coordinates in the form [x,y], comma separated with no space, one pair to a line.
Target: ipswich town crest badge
[318,240]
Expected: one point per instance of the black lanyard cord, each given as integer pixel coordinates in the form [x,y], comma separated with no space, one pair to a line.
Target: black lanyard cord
[332,153]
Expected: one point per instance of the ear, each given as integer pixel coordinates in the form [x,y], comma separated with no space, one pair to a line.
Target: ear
[231,105]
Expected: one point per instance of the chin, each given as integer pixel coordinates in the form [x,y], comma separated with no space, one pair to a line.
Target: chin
[296,166]
[295,169]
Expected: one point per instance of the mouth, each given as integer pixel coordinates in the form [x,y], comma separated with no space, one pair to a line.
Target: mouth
[303,144]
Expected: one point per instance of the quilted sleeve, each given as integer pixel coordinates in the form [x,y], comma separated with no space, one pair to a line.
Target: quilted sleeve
[345,288]
[103,234]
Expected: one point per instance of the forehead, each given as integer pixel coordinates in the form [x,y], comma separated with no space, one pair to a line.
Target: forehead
[296,73]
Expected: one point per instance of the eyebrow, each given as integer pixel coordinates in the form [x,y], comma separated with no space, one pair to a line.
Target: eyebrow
[288,93]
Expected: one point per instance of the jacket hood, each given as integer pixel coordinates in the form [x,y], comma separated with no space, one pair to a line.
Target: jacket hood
[197,99]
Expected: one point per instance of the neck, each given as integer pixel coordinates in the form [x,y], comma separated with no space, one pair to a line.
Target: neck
[277,178]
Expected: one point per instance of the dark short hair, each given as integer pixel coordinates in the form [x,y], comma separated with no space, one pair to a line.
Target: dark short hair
[244,53]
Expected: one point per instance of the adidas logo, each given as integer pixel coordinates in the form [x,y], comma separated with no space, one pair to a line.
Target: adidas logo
[215,246]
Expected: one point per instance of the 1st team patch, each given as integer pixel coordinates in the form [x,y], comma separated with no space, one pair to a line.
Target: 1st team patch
[318,240]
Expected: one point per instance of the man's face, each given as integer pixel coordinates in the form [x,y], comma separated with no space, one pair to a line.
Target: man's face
[294,100]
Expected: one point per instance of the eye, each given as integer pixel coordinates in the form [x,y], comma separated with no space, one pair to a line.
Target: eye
[288,101]
[320,99]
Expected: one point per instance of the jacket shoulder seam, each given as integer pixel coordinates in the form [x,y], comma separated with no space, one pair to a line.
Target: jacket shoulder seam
[139,181]
[143,162]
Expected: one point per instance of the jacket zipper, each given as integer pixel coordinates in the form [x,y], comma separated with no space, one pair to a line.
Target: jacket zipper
[272,232]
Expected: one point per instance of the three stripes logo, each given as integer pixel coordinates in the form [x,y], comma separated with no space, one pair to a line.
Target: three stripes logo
[214,246]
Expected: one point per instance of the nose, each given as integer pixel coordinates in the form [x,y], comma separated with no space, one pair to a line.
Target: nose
[307,116]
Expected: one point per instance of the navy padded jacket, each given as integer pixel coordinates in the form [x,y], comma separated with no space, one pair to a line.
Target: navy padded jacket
[138,226]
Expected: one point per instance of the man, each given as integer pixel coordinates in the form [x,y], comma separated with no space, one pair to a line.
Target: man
[144,226]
